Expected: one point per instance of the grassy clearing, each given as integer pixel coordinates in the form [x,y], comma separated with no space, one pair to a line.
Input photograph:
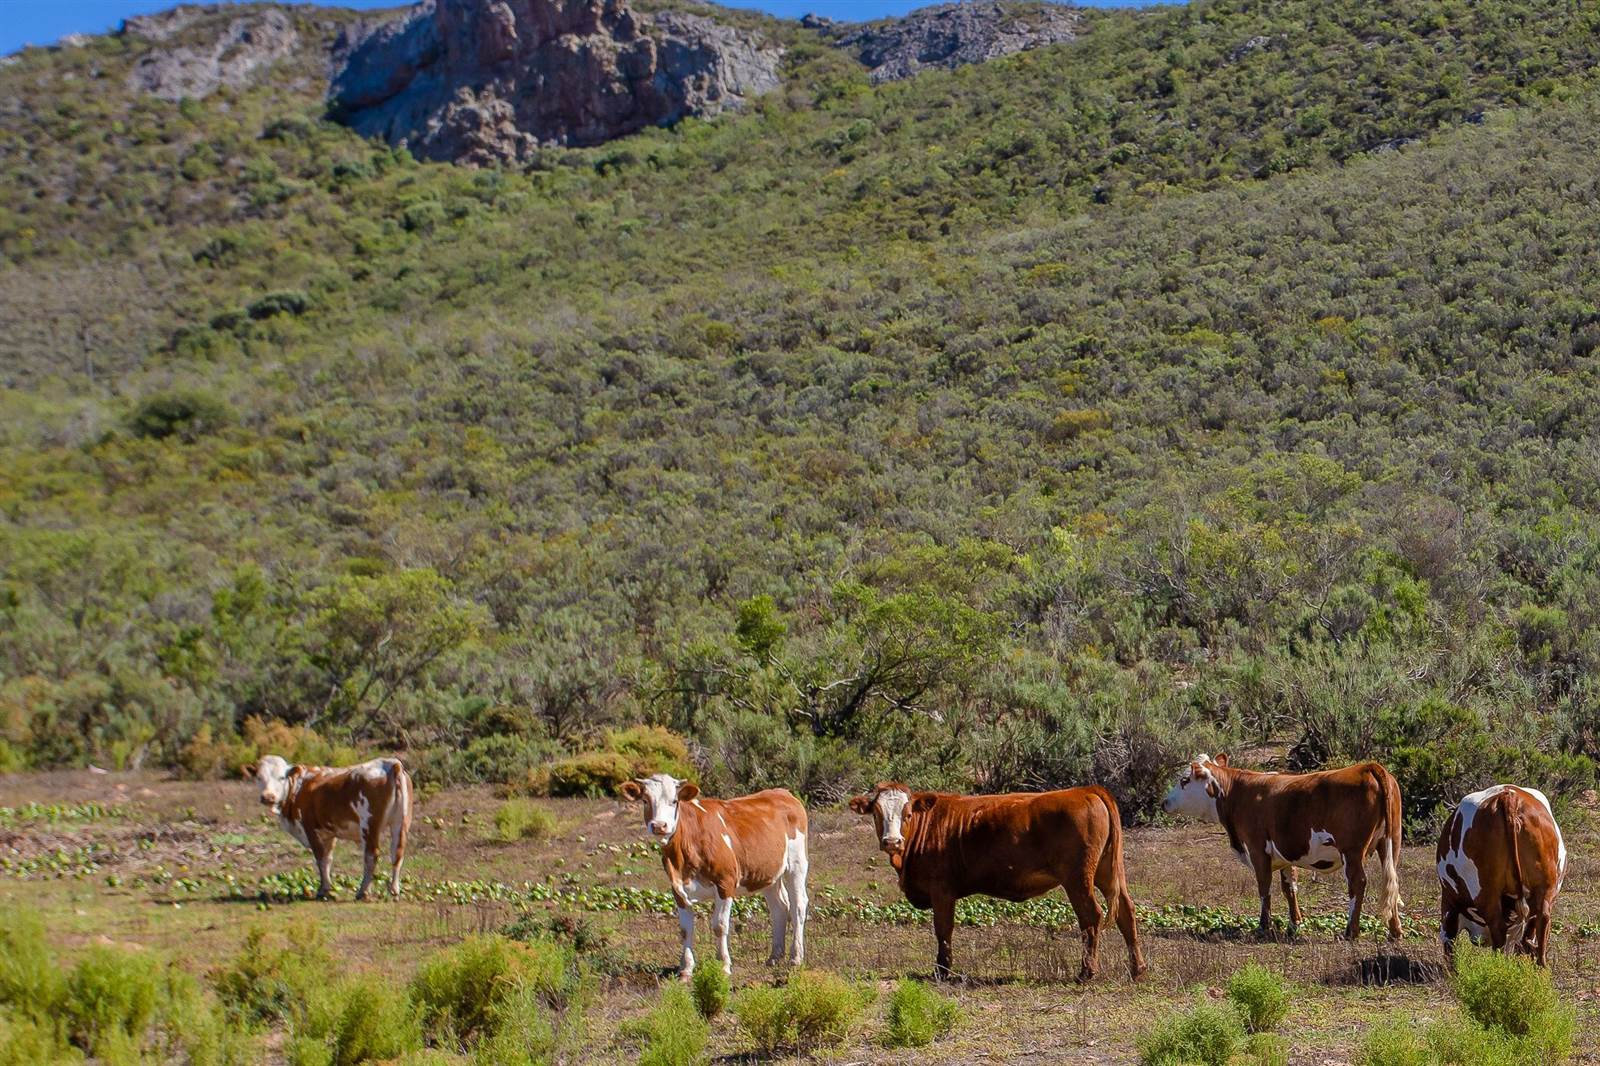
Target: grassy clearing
[1017,1000]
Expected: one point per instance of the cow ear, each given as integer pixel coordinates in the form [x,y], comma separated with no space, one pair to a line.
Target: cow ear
[921,803]
[631,791]
[249,771]
[1220,758]
[861,804]
[688,791]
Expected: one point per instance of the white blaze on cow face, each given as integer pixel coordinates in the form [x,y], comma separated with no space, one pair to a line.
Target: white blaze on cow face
[272,772]
[1195,794]
[889,814]
[660,800]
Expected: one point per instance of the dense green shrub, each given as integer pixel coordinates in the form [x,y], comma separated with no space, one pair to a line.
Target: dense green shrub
[360,1018]
[711,988]
[31,984]
[1207,1034]
[815,1009]
[590,774]
[188,414]
[919,1015]
[271,978]
[1260,995]
[460,990]
[1503,991]
[111,996]
[674,1032]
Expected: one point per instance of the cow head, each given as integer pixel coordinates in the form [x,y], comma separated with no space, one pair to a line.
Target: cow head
[1198,788]
[892,807]
[660,794]
[275,775]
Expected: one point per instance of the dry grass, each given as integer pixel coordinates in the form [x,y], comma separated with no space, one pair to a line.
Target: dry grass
[1020,1004]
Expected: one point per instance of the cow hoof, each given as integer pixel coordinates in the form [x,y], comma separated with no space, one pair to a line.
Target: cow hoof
[1139,971]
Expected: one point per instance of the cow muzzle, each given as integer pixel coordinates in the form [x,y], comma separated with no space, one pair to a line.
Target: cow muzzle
[892,845]
[267,800]
[658,829]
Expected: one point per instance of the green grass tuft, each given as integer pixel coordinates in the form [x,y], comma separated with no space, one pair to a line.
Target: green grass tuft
[522,819]
[673,1033]
[711,989]
[1261,996]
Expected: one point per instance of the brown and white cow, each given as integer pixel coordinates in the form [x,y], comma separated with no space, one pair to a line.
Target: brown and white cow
[1501,860]
[1318,821]
[719,850]
[1014,847]
[318,805]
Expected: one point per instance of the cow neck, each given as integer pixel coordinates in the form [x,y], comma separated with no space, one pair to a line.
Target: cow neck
[913,833]
[290,807]
[691,846]
[1224,776]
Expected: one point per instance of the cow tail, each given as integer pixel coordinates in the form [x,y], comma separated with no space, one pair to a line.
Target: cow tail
[1111,877]
[1513,824]
[400,798]
[1389,903]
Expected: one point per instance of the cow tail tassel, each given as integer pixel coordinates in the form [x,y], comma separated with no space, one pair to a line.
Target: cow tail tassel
[1389,847]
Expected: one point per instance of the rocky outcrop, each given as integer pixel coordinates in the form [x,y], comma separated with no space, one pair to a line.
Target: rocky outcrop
[176,67]
[950,35]
[486,81]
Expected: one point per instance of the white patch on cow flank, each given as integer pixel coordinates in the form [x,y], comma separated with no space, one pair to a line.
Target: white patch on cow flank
[373,772]
[363,812]
[1456,860]
[1320,849]
[728,840]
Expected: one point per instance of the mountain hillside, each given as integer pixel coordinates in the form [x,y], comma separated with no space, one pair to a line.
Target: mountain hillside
[1222,375]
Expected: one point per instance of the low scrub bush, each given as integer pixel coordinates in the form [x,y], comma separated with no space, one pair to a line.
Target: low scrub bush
[711,989]
[521,819]
[1510,1016]
[1208,1034]
[815,1009]
[919,1015]
[31,985]
[271,978]
[184,413]
[1261,996]
[460,992]
[111,996]
[1264,1049]
[673,1033]
[591,774]
[364,1018]
[1505,992]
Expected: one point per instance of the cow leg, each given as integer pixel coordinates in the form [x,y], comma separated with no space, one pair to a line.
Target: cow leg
[1081,893]
[944,925]
[1120,906]
[369,863]
[778,908]
[1449,925]
[721,918]
[1263,869]
[686,928]
[799,903]
[1291,897]
[1540,923]
[1355,877]
[322,852]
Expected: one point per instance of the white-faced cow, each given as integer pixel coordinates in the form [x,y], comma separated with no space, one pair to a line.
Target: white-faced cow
[1014,847]
[718,850]
[318,805]
[1501,860]
[1319,821]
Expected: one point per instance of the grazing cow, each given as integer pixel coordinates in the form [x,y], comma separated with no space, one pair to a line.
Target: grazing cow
[318,805]
[1501,861]
[1013,847]
[1316,821]
[720,849]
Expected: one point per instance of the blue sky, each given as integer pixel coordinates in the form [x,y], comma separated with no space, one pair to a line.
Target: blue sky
[24,22]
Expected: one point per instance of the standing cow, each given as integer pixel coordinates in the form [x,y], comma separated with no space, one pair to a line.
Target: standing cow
[1014,847]
[318,805]
[720,849]
[1319,821]
[1501,860]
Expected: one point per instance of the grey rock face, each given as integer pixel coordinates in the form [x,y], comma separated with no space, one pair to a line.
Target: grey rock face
[250,43]
[486,81]
[950,35]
